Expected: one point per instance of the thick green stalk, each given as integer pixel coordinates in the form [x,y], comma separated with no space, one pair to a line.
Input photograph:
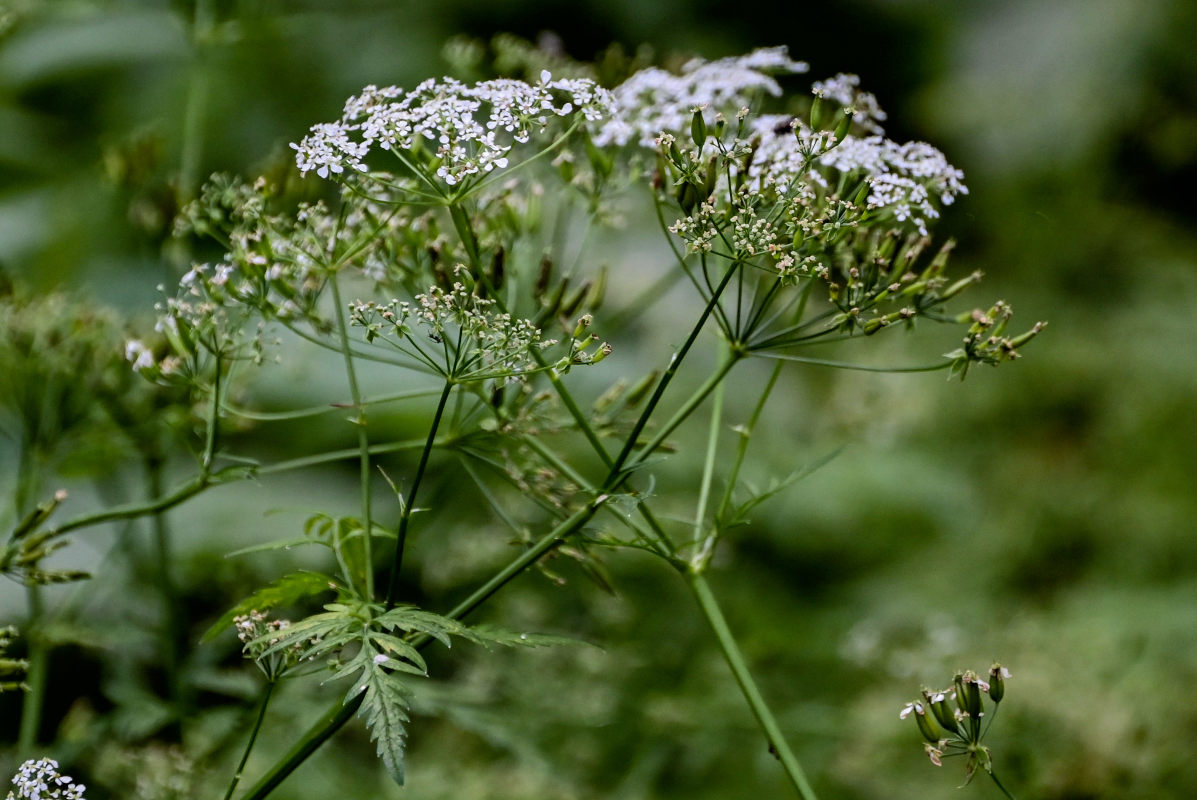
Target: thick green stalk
[253,738]
[363,436]
[410,503]
[760,709]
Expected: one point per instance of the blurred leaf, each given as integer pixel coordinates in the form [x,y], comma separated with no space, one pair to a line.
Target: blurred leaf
[285,591]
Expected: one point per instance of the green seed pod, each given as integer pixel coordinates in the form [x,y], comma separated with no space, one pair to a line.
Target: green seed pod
[708,187]
[997,682]
[862,194]
[929,729]
[641,388]
[816,114]
[565,167]
[600,161]
[598,290]
[938,703]
[698,128]
[959,286]
[972,698]
[799,236]
[845,124]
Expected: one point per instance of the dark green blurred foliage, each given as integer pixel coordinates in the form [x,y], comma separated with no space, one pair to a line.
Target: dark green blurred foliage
[1041,515]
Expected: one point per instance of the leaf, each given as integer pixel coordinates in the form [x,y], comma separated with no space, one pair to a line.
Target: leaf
[277,544]
[286,590]
[493,634]
[385,711]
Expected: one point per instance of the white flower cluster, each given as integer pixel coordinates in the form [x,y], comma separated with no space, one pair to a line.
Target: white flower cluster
[905,179]
[654,100]
[40,780]
[844,90]
[472,128]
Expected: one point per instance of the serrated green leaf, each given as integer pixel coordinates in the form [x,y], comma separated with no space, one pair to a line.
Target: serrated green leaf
[385,711]
[403,654]
[286,590]
[493,634]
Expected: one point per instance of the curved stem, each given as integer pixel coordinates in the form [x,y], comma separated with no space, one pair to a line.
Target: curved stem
[409,505]
[253,737]
[760,709]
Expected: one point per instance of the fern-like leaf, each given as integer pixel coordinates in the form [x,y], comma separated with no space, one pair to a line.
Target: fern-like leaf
[285,591]
[385,710]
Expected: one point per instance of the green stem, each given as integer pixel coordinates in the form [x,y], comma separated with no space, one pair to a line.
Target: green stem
[339,714]
[745,436]
[35,675]
[363,436]
[184,492]
[735,660]
[409,505]
[172,633]
[682,414]
[253,737]
[1005,791]
[191,157]
[675,363]
[318,734]
[708,467]
[38,653]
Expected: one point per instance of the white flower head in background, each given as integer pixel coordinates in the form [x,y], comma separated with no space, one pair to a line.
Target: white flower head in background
[40,780]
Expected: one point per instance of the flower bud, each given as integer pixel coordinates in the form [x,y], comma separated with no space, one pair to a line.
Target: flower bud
[584,322]
[816,114]
[862,194]
[698,128]
[841,130]
[959,286]
[997,682]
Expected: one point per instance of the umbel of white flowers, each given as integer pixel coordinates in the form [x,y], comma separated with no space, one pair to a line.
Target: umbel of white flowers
[471,130]
[40,780]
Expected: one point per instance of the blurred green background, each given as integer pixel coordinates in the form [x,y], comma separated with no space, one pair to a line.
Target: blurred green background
[1040,514]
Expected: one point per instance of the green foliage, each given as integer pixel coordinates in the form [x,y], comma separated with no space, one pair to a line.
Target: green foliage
[1037,480]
